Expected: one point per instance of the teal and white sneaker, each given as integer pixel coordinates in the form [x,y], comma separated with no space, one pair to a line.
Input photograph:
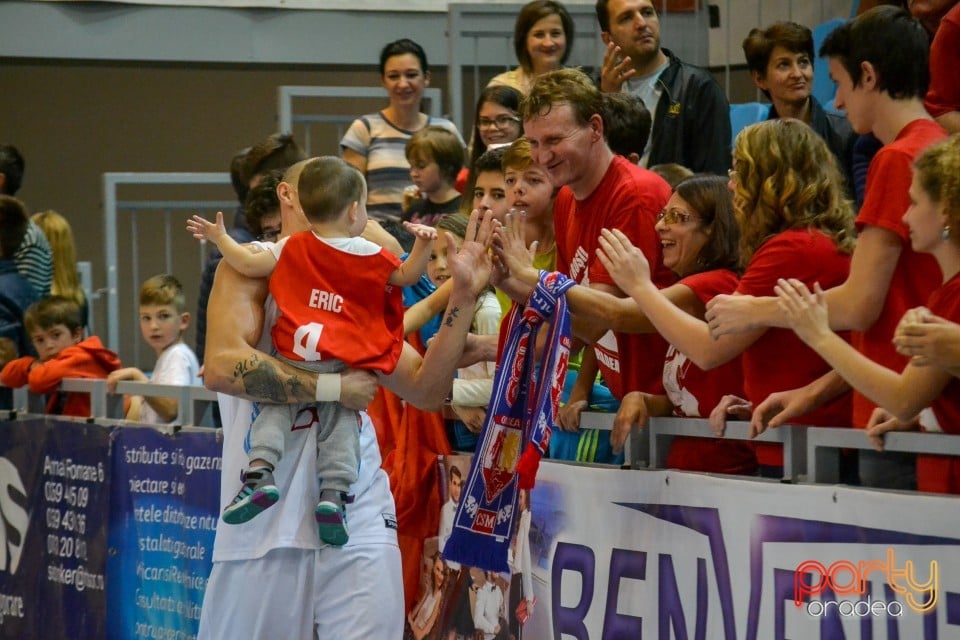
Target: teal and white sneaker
[257,494]
[332,518]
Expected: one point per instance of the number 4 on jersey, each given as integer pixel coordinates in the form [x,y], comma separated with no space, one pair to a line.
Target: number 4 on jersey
[305,341]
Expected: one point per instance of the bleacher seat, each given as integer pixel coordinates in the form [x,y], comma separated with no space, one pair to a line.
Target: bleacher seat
[745,114]
[824,88]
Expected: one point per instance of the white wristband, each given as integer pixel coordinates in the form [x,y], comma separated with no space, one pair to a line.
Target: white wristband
[328,387]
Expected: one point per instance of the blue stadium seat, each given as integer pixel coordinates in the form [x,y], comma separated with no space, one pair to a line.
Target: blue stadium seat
[745,114]
[823,87]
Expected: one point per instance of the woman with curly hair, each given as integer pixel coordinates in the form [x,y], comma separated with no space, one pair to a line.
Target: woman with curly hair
[934,222]
[794,222]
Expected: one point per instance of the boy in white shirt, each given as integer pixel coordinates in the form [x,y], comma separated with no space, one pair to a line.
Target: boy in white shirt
[162,323]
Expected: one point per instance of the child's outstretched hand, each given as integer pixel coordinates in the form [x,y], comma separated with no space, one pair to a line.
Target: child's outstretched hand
[421,231]
[510,248]
[202,229]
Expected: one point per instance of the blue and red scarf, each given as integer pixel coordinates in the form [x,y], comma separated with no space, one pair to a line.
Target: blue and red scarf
[516,430]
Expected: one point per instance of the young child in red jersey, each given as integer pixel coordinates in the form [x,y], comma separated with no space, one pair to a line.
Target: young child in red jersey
[339,305]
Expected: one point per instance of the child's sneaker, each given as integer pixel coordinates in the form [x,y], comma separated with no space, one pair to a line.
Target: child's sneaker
[332,518]
[258,493]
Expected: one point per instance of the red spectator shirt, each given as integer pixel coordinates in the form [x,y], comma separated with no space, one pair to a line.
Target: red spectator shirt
[628,198]
[695,392]
[917,274]
[779,360]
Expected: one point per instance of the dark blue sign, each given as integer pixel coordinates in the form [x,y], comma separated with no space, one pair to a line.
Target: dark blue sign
[163,516]
[54,490]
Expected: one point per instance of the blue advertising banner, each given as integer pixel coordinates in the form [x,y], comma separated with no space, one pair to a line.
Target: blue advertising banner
[163,516]
[54,479]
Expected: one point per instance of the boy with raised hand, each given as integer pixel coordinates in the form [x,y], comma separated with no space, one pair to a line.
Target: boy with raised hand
[340,306]
[55,327]
[163,320]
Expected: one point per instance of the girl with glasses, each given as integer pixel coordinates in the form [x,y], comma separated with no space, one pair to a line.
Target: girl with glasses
[699,239]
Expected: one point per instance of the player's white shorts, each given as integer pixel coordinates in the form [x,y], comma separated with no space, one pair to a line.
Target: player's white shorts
[298,594]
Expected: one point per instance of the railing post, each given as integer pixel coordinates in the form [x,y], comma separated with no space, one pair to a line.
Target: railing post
[658,445]
[33,402]
[794,452]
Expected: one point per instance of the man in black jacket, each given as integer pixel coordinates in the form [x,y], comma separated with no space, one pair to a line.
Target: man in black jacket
[691,115]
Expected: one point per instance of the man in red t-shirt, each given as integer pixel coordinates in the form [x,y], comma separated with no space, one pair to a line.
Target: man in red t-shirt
[563,122]
[879,62]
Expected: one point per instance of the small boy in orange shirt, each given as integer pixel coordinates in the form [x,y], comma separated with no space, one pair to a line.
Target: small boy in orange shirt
[55,327]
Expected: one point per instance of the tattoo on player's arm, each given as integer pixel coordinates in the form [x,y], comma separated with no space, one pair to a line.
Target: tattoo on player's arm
[451,316]
[260,380]
[245,366]
[297,390]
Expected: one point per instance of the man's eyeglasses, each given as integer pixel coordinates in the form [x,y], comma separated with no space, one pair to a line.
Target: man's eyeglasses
[269,235]
[673,216]
[500,122]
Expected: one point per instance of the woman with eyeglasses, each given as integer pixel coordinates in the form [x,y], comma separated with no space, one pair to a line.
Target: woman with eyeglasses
[496,123]
[699,237]
[376,143]
[794,223]
[542,40]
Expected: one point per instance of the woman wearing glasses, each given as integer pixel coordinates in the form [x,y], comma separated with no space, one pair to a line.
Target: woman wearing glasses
[496,123]
[542,40]
[699,236]
[794,223]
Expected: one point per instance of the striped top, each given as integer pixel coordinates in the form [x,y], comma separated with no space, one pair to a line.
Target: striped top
[384,144]
[35,261]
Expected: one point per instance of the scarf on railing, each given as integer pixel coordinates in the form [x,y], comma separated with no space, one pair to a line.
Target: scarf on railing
[516,430]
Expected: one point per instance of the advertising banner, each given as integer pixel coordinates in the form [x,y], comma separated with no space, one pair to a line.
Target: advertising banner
[660,554]
[54,480]
[163,516]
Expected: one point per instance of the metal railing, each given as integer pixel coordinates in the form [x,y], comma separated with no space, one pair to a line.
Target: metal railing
[302,120]
[824,444]
[172,239]
[810,454]
[194,403]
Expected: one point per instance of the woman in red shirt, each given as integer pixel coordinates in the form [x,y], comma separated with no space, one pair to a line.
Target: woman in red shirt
[788,199]
[934,222]
[699,236]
